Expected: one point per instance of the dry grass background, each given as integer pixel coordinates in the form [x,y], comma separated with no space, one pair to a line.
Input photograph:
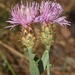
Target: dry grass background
[62,51]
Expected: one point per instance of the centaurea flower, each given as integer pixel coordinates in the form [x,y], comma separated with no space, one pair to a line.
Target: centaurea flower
[50,12]
[23,14]
[46,13]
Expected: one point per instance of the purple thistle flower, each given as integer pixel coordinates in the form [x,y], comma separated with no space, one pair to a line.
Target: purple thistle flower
[50,12]
[23,15]
[47,11]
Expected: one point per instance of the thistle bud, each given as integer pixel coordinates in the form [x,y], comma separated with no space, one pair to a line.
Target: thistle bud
[47,35]
[28,37]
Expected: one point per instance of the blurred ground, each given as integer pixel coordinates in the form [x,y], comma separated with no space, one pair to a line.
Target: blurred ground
[62,51]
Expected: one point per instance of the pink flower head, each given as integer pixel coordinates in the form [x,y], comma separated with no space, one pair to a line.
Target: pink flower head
[50,12]
[47,11]
[23,15]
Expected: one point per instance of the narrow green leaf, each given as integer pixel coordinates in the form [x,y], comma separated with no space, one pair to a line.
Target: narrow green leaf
[33,65]
[34,68]
[5,60]
[45,58]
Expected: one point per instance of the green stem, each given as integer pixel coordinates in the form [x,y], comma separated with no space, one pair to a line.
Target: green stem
[48,68]
[5,60]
